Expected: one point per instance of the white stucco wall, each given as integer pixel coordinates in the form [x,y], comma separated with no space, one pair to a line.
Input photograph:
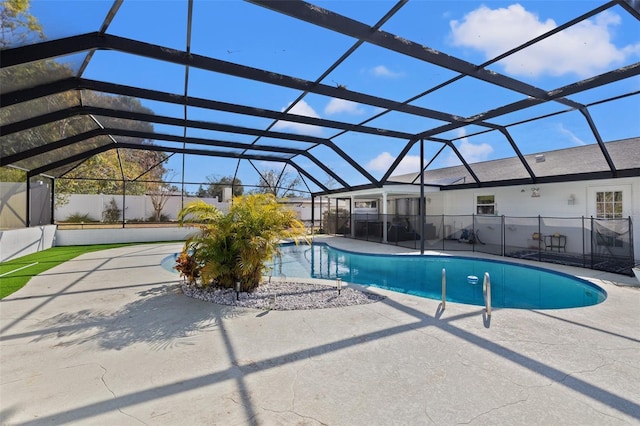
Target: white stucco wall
[73,237]
[139,207]
[16,243]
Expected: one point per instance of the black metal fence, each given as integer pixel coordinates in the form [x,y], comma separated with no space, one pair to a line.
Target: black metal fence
[601,244]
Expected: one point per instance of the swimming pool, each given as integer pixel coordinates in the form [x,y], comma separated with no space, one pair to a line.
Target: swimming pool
[512,285]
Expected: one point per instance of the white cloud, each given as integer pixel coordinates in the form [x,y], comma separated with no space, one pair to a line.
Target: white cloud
[301,108]
[381,163]
[585,49]
[576,140]
[472,153]
[336,106]
[382,71]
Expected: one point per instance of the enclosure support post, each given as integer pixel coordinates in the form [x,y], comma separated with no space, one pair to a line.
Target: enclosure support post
[422,203]
[352,219]
[591,236]
[53,200]
[337,219]
[124,198]
[28,202]
[322,227]
[313,214]
[384,217]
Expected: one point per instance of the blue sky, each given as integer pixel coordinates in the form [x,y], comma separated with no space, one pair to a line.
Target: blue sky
[473,31]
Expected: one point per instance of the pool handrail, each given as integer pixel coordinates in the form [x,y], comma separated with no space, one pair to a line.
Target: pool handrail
[486,289]
[444,288]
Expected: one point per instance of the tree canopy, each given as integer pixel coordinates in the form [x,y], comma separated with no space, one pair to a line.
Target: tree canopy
[216,185]
[17,25]
[102,173]
[281,184]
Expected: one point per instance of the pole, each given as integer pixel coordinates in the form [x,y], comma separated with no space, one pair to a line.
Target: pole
[422,203]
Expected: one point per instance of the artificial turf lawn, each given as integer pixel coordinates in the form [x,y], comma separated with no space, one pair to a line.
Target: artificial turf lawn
[46,259]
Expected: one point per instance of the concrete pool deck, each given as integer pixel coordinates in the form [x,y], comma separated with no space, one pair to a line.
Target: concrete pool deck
[106,338]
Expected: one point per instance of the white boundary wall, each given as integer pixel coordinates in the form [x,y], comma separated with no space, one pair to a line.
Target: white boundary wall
[16,243]
[137,207]
[75,237]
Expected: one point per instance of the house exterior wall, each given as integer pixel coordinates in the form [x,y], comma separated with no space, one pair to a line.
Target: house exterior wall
[553,201]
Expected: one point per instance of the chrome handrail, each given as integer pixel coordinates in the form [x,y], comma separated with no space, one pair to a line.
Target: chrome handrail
[486,290]
[444,288]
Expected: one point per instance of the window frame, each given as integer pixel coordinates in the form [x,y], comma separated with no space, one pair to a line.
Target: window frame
[609,204]
[486,208]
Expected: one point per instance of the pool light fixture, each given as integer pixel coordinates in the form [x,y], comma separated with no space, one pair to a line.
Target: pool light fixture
[339,285]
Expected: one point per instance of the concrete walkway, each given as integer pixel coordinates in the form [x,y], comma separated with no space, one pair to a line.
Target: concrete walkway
[107,339]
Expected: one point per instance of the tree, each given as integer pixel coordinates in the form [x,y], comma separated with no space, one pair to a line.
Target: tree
[8,174]
[160,193]
[234,247]
[17,25]
[217,184]
[99,174]
[102,173]
[280,184]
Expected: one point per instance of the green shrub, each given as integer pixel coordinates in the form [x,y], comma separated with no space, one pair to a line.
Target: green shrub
[112,213]
[163,218]
[80,218]
[233,247]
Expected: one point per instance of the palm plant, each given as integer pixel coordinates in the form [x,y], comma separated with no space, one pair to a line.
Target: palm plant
[233,247]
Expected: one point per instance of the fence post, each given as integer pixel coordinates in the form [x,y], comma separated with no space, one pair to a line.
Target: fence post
[443,236]
[631,251]
[540,237]
[473,230]
[503,238]
[584,247]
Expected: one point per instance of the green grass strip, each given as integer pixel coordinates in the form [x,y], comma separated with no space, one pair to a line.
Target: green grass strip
[46,259]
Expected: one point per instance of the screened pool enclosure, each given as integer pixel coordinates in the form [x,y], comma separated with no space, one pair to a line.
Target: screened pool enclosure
[169,99]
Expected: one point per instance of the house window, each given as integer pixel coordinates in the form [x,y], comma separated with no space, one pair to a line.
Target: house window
[485,204]
[609,205]
[366,204]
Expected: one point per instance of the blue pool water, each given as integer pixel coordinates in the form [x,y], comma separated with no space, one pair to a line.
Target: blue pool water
[512,285]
